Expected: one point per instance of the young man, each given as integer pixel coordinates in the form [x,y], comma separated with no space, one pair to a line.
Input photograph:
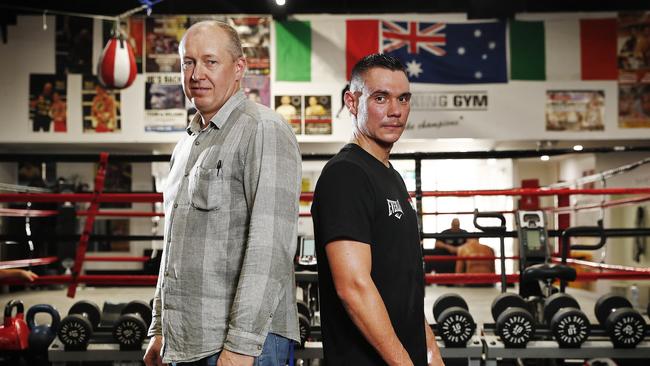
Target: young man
[226,288]
[370,274]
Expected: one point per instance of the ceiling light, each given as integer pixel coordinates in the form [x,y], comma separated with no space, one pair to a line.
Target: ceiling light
[545,158]
[280,2]
[578,148]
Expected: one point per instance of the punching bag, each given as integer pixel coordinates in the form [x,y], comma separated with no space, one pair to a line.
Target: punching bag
[116,68]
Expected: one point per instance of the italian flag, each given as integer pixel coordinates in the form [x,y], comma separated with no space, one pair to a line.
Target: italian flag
[310,50]
[582,49]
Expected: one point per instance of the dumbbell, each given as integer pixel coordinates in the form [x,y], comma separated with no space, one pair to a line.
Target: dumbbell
[623,324]
[131,327]
[514,323]
[42,335]
[304,321]
[569,325]
[455,324]
[76,329]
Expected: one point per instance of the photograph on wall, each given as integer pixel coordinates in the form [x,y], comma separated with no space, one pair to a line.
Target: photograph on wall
[634,105]
[117,180]
[100,107]
[575,110]
[163,35]
[35,174]
[290,107]
[74,45]
[48,108]
[634,47]
[133,29]
[257,88]
[255,34]
[164,103]
[113,227]
[318,114]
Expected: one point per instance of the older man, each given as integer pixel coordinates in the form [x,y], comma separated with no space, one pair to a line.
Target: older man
[226,292]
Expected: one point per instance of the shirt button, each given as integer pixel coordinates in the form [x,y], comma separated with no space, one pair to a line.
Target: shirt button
[259,347]
[175,205]
[196,143]
[186,174]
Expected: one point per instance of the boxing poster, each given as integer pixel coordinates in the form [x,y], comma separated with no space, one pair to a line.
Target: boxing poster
[255,35]
[257,88]
[575,110]
[318,114]
[48,109]
[634,69]
[634,105]
[164,103]
[100,107]
[163,35]
[113,227]
[133,29]
[290,107]
[74,45]
[118,179]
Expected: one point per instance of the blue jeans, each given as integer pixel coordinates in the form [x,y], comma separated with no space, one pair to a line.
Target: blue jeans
[274,353]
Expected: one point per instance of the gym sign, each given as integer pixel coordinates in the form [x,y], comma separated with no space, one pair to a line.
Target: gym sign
[450,101]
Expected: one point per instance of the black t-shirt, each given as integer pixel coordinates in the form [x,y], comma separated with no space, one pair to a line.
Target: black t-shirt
[358,198]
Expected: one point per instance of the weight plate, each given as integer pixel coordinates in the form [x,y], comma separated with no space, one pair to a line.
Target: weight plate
[556,302]
[130,330]
[89,308]
[139,307]
[304,327]
[570,327]
[504,301]
[625,327]
[456,326]
[75,331]
[303,309]
[516,327]
[607,303]
[446,301]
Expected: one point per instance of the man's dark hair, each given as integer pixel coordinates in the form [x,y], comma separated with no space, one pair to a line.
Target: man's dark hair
[376,60]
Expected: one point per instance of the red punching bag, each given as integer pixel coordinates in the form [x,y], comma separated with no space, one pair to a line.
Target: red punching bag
[116,68]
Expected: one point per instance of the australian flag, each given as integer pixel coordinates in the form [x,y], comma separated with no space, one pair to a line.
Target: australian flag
[447,53]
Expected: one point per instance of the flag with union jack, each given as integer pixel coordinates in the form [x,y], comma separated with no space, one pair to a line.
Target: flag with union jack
[448,53]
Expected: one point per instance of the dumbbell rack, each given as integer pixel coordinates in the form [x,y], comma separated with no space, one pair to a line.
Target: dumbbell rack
[102,349]
[597,345]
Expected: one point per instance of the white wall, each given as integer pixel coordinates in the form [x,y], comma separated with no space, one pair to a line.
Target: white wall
[31,50]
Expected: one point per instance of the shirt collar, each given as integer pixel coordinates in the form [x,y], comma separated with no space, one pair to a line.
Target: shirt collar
[222,115]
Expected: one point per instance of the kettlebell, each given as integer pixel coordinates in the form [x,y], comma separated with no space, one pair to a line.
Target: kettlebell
[14,332]
[43,334]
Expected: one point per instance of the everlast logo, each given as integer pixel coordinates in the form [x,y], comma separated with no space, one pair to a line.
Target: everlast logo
[394,208]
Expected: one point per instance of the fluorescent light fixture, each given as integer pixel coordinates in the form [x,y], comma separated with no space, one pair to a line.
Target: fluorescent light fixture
[578,148]
[545,158]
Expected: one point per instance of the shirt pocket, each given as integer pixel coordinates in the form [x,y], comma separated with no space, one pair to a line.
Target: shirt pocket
[206,188]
